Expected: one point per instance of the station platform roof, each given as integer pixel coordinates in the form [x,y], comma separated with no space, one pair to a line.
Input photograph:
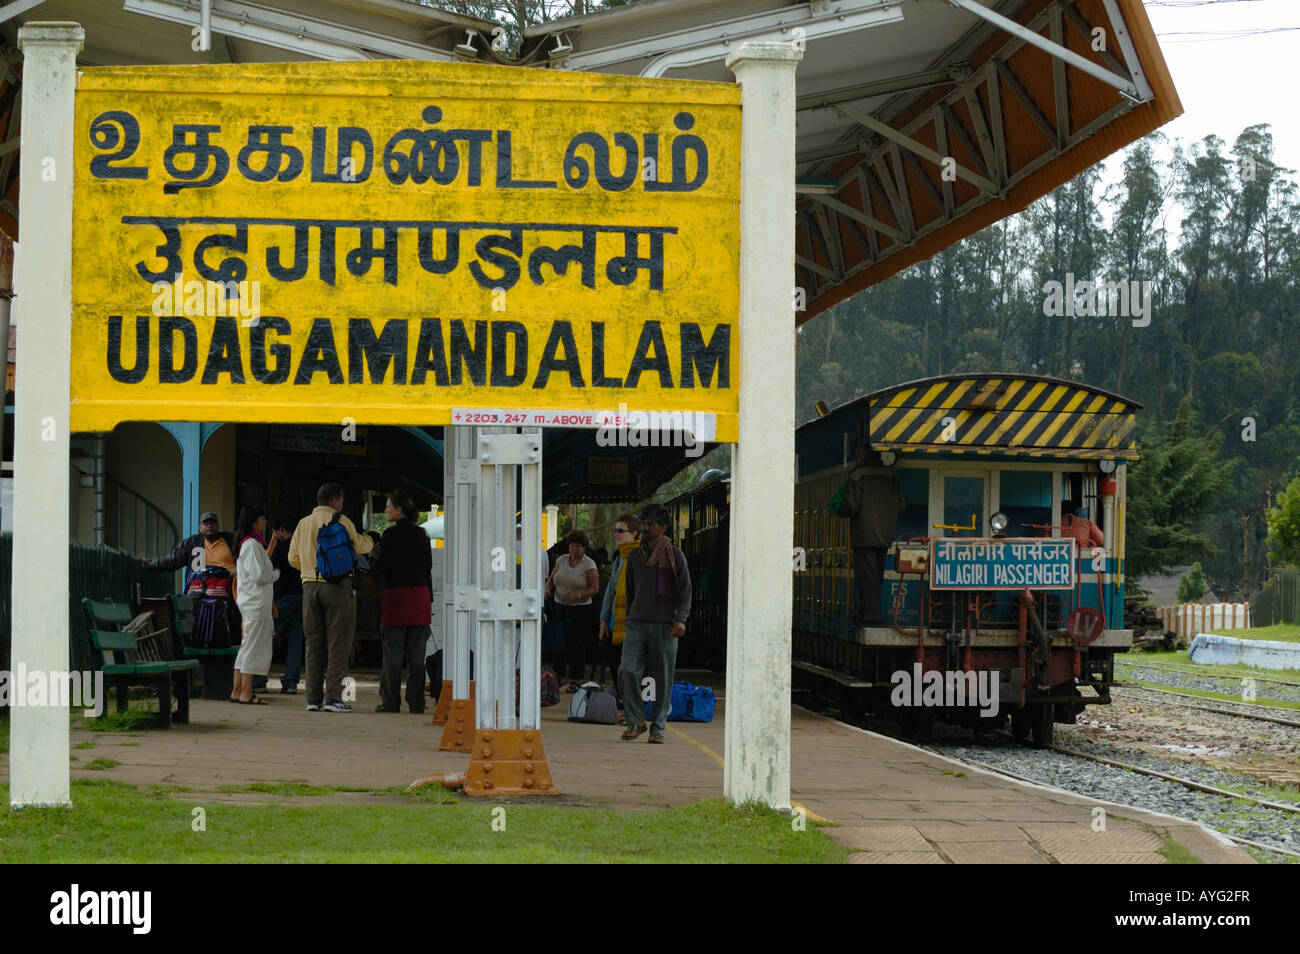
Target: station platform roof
[919,122]
[577,468]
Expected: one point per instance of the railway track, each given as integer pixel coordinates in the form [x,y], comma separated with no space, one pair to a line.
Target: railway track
[1262,717]
[1209,804]
[1185,783]
[1205,674]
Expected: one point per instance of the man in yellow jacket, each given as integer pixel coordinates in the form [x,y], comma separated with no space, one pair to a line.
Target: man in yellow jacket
[329,610]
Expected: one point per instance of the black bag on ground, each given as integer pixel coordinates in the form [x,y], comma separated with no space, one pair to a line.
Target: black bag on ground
[591,704]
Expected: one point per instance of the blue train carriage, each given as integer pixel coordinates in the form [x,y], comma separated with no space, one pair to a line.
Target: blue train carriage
[987,590]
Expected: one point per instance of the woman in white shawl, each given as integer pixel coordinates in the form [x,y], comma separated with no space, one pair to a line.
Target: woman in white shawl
[253,594]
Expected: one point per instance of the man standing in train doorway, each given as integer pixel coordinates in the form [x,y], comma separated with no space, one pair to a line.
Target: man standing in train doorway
[873,501]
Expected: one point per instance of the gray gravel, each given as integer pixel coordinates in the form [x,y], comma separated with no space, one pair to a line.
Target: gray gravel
[1265,825]
[1264,691]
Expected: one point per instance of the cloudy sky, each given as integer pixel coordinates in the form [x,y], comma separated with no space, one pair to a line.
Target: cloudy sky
[1234,63]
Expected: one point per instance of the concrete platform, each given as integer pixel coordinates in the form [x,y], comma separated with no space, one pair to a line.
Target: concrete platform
[892,803]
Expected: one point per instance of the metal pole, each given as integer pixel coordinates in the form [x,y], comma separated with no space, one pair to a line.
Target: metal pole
[757,751]
[101,491]
[39,750]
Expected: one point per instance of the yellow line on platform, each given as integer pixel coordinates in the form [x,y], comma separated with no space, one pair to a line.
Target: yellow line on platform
[718,758]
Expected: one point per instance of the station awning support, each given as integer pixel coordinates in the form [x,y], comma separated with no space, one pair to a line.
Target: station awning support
[39,744]
[455,707]
[756,763]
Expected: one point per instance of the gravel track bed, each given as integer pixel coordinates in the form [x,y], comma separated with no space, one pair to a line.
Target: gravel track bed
[1154,696]
[1264,691]
[1090,779]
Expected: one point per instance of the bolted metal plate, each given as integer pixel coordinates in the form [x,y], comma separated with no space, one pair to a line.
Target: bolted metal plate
[509,448]
[508,605]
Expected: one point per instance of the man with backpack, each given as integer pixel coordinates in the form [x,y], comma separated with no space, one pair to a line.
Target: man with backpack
[324,549]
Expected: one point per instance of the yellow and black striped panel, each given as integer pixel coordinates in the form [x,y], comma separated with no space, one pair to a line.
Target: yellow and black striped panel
[1003,414]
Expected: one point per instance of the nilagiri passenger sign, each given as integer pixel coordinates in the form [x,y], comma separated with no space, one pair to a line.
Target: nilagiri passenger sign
[392,241]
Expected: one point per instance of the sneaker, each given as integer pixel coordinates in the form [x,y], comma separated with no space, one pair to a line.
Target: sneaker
[313,706]
[289,690]
[336,705]
[261,690]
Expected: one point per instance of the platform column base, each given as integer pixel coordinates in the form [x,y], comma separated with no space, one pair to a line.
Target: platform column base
[443,707]
[508,762]
[458,734]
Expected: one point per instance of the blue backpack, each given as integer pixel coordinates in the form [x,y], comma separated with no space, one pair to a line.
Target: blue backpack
[335,557]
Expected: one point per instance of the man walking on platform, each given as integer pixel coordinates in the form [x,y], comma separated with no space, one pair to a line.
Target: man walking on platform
[658,605]
[329,609]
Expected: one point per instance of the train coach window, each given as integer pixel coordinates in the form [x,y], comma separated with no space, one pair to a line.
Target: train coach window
[1026,499]
[915,484]
[963,497]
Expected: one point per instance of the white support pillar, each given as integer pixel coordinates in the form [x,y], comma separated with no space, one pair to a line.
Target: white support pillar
[552,525]
[38,747]
[460,528]
[757,750]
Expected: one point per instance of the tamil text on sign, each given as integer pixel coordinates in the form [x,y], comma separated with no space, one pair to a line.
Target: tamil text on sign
[393,241]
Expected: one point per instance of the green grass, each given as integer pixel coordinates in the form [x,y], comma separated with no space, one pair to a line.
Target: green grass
[288,788]
[1270,793]
[1178,854]
[1286,632]
[130,720]
[1178,657]
[100,764]
[113,822]
[84,745]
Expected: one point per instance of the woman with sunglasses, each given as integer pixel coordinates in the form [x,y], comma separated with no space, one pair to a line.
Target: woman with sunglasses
[613,611]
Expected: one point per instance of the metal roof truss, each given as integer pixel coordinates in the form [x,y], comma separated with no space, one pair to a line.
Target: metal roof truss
[895,165]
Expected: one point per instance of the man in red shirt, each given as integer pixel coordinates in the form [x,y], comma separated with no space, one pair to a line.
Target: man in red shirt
[1082,529]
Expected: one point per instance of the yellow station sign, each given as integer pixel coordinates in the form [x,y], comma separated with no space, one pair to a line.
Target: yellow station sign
[403,243]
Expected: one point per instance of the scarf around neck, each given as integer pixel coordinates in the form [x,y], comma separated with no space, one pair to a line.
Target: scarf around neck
[661,553]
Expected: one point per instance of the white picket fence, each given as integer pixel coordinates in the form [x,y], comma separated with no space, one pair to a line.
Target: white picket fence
[1188,619]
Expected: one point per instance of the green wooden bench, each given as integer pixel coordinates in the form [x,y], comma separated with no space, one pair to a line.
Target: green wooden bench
[218,664]
[136,660]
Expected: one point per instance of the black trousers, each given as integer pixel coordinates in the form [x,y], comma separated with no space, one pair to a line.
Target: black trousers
[868,576]
[579,635]
[403,645]
[607,659]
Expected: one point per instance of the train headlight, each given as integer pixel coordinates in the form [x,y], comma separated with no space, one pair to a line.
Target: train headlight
[998,522]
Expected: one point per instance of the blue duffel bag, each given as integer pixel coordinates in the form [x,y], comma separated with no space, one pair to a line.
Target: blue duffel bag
[690,703]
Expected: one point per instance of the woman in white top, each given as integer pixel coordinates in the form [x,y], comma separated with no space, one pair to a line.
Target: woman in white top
[254,575]
[574,581]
